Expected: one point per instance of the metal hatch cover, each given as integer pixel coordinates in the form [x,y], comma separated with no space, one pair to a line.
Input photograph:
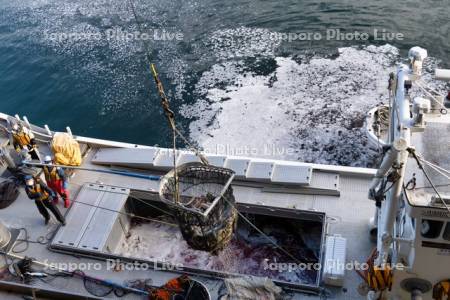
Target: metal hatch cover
[90,226]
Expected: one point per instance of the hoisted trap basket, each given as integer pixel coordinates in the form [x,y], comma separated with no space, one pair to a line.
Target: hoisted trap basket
[205,206]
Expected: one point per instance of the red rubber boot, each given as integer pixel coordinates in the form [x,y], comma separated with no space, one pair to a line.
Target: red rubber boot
[66,202]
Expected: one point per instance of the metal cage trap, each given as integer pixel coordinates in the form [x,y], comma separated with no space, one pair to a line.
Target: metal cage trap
[203,201]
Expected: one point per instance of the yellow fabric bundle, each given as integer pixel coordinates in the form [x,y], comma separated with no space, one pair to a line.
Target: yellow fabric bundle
[66,150]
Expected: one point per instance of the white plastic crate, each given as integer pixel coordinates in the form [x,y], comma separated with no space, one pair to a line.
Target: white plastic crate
[259,170]
[238,165]
[187,157]
[334,263]
[295,174]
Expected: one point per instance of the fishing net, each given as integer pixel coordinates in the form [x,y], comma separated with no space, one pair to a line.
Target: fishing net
[204,207]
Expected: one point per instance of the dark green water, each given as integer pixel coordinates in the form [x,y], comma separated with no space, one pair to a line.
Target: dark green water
[102,88]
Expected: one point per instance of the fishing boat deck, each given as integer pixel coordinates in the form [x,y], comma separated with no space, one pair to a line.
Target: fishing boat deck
[346,206]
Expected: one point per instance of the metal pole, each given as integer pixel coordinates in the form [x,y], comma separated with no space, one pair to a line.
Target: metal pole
[416,295]
[400,140]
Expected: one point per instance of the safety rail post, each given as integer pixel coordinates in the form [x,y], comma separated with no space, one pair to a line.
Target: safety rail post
[25,119]
[69,131]
[47,129]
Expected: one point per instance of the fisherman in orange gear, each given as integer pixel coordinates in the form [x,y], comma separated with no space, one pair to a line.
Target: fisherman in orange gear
[57,181]
[42,196]
[22,139]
